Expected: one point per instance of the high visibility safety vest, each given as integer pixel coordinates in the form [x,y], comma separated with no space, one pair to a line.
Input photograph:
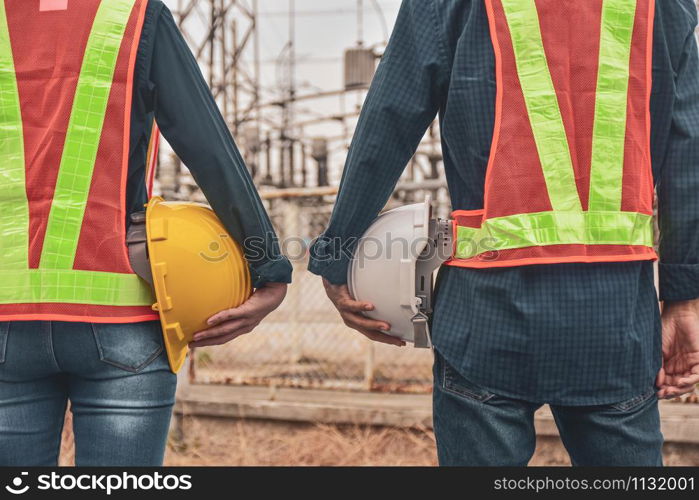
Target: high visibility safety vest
[66,77]
[569,177]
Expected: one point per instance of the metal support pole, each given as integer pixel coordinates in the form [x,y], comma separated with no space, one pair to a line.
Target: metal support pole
[360,23]
[304,172]
[256,73]
[292,229]
[224,61]
[291,147]
[369,365]
[212,45]
[292,92]
[323,172]
[282,158]
[268,161]
[235,82]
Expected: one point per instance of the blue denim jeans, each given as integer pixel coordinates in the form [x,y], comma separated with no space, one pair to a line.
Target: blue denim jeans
[115,376]
[475,427]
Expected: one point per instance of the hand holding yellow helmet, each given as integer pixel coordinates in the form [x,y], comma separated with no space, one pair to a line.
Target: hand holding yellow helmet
[195,267]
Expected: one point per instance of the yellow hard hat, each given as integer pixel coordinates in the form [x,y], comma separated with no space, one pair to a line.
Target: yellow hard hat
[197,269]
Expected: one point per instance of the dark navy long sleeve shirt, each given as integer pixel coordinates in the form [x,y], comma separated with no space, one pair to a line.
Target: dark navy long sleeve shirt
[169,87]
[568,334]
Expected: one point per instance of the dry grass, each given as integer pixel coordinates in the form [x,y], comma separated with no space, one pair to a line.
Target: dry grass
[210,441]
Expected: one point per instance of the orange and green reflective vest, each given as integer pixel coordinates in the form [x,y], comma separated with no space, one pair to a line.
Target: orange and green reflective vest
[66,76]
[569,176]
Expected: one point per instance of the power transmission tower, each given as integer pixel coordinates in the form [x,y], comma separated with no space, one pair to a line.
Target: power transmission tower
[271,123]
[223,34]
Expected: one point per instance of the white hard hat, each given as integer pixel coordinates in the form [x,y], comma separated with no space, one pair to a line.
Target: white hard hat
[393,268]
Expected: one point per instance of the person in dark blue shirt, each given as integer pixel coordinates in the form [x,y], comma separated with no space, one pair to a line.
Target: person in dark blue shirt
[584,338]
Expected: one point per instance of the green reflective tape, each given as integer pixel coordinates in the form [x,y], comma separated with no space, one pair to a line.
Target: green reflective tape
[36,286]
[556,228]
[84,133]
[14,209]
[542,104]
[609,134]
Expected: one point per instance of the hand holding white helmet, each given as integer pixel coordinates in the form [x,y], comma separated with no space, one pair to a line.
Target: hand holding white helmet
[393,269]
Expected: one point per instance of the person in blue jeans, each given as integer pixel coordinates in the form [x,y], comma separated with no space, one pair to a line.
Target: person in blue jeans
[476,427]
[557,121]
[75,321]
[117,378]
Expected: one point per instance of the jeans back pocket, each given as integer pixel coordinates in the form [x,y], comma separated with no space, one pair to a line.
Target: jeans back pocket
[131,347]
[455,383]
[4,334]
[630,404]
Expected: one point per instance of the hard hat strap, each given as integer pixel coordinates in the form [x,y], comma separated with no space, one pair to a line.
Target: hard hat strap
[438,251]
[137,244]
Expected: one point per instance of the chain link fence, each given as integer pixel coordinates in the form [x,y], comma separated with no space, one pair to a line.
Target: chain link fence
[305,343]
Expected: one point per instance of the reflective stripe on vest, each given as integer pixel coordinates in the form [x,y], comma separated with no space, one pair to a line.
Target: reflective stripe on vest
[604,223]
[555,228]
[56,281]
[607,169]
[14,208]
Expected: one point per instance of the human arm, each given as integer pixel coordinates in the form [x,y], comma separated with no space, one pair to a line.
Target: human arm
[190,120]
[409,88]
[678,209]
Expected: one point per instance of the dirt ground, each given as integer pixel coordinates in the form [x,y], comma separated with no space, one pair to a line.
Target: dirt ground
[225,442]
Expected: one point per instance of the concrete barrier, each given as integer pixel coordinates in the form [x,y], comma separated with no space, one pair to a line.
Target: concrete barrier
[680,422]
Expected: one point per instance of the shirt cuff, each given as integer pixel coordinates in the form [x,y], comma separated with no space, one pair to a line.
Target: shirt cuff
[278,271]
[329,260]
[679,282]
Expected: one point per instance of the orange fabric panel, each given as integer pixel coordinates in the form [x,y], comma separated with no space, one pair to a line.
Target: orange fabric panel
[47,49]
[638,187]
[557,254]
[102,245]
[76,312]
[514,181]
[571,50]
[152,158]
